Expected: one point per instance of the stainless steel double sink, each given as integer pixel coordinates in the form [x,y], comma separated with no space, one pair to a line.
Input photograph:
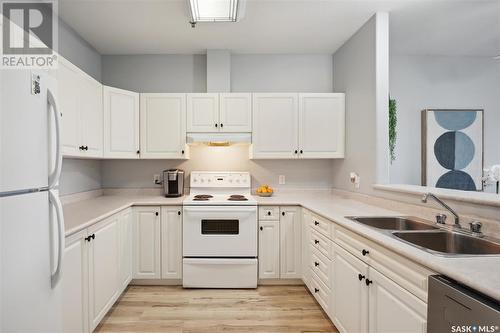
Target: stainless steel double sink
[431,238]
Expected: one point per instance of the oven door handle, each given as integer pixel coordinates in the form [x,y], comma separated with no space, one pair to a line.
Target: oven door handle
[220,209]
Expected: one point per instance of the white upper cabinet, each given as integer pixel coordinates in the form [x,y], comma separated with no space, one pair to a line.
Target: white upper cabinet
[321,125]
[235,112]
[202,113]
[80,104]
[275,125]
[121,123]
[163,126]
[298,125]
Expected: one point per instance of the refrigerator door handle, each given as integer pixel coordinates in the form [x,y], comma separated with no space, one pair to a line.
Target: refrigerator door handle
[54,200]
[56,174]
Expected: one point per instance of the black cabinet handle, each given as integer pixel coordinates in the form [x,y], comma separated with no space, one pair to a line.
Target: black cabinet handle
[365,252]
[221,125]
[301,151]
[269,213]
[156,213]
[368,282]
[316,290]
[316,264]
[93,236]
[179,213]
[182,152]
[88,238]
[283,213]
[316,241]
[316,223]
[361,277]
[86,147]
[138,152]
[216,125]
[261,228]
[296,151]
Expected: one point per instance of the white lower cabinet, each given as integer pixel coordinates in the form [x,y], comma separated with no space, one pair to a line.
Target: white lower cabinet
[350,293]
[147,250]
[392,309]
[125,263]
[75,284]
[171,242]
[103,268]
[269,249]
[290,243]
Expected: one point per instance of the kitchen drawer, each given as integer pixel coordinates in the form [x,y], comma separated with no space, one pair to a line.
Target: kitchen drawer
[354,244]
[269,213]
[322,244]
[322,266]
[408,274]
[322,226]
[321,292]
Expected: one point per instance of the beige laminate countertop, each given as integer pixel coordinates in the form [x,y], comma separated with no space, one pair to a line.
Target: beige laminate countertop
[480,273]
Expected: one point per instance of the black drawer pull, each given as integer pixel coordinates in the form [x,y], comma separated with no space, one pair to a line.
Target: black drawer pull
[261,228]
[316,263]
[283,213]
[316,223]
[361,277]
[269,213]
[316,241]
[368,282]
[316,290]
[156,213]
[179,213]
[365,252]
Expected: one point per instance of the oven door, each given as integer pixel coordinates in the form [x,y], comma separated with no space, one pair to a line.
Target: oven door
[219,231]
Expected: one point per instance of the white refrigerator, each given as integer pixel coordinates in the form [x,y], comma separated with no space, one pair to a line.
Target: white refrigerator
[31,219]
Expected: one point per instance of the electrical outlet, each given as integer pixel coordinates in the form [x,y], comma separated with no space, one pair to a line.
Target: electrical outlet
[355,179]
[156,179]
[281,179]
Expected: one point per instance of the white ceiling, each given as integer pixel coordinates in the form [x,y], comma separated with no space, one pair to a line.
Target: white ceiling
[285,26]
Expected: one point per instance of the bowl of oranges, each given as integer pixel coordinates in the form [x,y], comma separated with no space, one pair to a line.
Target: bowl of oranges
[265,191]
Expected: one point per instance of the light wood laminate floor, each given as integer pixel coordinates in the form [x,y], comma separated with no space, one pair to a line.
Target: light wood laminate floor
[288,309]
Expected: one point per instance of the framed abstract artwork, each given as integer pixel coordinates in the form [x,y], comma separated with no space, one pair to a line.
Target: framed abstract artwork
[452,149]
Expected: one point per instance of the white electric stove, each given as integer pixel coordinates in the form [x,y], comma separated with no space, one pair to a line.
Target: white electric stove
[220,231]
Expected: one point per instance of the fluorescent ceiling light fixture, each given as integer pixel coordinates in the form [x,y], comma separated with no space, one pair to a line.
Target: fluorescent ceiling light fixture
[214,10]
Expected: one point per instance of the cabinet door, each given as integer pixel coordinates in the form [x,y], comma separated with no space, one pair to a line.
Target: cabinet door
[121,123]
[91,116]
[171,242]
[125,226]
[163,125]
[67,81]
[290,243]
[275,126]
[103,268]
[202,113]
[392,309]
[147,243]
[350,293]
[236,112]
[321,125]
[75,284]
[306,248]
[269,250]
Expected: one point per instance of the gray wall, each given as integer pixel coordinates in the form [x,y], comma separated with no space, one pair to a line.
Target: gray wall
[78,51]
[80,175]
[355,73]
[299,173]
[419,82]
[156,73]
[281,73]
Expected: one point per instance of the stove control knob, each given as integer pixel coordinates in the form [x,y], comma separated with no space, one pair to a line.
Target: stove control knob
[202,180]
[209,180]
[237,180]
[195,180]
[230,180]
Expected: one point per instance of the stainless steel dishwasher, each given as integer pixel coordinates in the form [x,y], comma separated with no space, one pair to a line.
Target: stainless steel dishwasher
[455,308]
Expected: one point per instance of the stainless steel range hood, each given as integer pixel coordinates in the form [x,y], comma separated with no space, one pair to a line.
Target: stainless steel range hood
[218,139]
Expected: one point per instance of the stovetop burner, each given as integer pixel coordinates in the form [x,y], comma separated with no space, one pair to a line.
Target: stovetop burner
[200,199]
[237,197]
[203,196]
